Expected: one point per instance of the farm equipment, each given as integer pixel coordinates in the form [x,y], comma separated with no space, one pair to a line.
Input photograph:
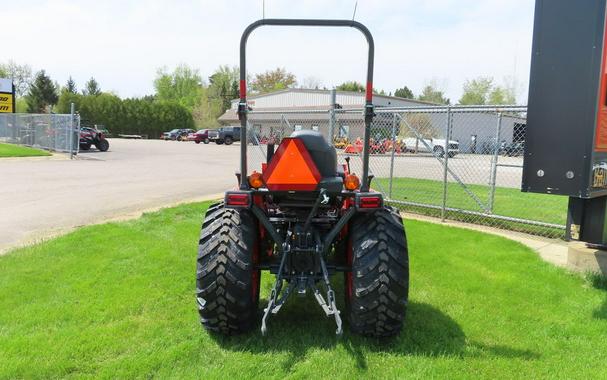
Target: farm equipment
[304,219]
[340,142]
[382,146]
[91,136]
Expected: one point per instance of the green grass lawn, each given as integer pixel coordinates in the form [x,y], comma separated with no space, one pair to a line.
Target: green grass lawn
[117,301]
[507,202]
[11,150]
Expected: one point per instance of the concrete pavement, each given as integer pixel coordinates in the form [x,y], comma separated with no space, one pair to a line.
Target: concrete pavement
[40,198]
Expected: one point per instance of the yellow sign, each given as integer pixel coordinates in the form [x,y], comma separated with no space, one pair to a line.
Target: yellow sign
[6,102]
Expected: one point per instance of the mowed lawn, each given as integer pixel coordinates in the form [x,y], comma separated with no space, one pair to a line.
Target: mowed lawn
[508,201]
[11,150]
[117,301]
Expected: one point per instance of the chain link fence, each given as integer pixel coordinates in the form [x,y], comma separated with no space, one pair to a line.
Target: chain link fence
[460,163]
[58,133]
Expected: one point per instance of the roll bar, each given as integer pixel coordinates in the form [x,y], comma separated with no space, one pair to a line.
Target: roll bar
[242,105]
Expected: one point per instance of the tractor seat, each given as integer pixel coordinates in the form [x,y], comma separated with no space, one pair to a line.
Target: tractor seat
[323,154]
[324,157]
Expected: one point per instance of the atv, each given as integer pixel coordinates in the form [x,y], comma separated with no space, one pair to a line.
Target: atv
[303,218]
[92,136]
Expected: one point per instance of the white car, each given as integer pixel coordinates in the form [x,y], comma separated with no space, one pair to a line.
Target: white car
[438,147]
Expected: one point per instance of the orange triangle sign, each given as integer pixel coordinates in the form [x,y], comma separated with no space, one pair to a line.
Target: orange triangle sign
[291,168]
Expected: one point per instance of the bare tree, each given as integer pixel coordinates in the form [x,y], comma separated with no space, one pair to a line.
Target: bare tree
[416,125]
[311,82]
[21,75]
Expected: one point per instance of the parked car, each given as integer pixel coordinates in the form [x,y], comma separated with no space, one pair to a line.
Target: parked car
[438,147]
[177,134]
[92,136]
[199,136]
[225,135]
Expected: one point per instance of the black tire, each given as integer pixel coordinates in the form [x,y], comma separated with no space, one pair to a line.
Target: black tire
[452,154]
[228,140]
[377,289]
[197,141]
[218,142]
[439,151]
[103,145]
[206,141]
[86,146]
[227,283]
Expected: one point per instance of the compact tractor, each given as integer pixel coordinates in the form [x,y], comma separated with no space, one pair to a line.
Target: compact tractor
[303,218]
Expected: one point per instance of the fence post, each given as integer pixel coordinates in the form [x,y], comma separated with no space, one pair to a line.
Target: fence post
[71,139]
[332,116]
[446,164]
[494,159]
[392,158]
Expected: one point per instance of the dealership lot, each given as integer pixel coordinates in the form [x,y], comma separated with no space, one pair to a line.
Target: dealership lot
[42,197]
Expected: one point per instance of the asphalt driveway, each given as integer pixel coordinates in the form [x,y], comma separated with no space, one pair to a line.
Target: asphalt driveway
[44,197]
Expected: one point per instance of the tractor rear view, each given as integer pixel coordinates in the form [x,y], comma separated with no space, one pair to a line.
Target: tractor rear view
[303,218]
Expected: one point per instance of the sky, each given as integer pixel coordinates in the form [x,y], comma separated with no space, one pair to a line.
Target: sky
[122,43]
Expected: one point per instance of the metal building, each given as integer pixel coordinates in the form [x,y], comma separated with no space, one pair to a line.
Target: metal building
[294,109]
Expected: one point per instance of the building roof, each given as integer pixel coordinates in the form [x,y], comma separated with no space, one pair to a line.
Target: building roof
[230,114]
[319,91]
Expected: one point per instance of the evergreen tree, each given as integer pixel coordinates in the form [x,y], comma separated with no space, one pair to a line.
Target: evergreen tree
[42,94]
[70,86]
[404,92]
[91,88]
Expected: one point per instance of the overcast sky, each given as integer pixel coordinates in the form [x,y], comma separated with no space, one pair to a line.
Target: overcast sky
[122,43]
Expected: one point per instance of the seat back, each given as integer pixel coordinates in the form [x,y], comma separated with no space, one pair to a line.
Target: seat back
[323,154]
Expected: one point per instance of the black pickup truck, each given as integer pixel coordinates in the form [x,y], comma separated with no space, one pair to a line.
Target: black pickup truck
[225,135]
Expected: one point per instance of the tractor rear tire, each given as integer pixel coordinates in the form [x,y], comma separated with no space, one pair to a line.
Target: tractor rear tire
[227,282]
[377,288]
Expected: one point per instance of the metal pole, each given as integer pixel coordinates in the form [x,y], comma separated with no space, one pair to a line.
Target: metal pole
[332,116]
[71,138]
[392,158]
[445,164]
[494,159]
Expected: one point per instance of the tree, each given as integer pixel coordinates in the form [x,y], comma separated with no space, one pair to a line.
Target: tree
[351,86]
[482,90]
[42,94]
[414,125]
[183,85]
[404,92]
[91,88]
[223,85]
[273,80]
[143,116]
[70,86]
[21,75]
[205,114]
[502,95]
[312,83]
[476,91]
[432,94]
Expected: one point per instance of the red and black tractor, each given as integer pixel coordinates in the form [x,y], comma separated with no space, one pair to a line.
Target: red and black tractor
[303,218]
